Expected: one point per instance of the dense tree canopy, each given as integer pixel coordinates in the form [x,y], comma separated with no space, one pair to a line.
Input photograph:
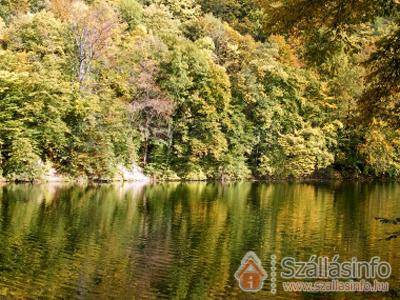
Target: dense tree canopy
[302,14]
[200,89]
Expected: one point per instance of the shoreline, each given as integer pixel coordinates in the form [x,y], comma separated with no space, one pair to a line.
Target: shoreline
[157,181]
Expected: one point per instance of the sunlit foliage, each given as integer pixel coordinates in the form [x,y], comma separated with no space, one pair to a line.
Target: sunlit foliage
[199,89]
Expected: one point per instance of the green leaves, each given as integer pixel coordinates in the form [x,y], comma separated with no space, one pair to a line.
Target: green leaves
[23,163]
[381,149]
[202,98]
[131,12]
[89,86]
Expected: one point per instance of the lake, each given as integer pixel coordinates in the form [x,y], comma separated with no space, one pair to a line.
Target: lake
[184,240]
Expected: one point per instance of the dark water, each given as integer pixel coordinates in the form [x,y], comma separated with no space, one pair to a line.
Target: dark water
[183,240]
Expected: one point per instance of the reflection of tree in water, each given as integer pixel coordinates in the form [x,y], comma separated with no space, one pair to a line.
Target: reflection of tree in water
[176,240]
[395,221]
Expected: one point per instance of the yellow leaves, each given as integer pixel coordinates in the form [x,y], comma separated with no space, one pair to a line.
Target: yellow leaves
[2,27]
[206,43]
[287,54]
[381,148]
[61,8]
[199,149]
[17,62]
[265,167]
[277,92]
[13,81]
[40,33]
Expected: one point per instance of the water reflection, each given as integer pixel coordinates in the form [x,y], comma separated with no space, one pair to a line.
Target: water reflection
[181,240]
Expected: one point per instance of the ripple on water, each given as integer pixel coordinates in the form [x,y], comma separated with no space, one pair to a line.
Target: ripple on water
[172,241]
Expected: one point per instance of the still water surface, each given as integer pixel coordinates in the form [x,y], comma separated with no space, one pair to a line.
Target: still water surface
[183,240]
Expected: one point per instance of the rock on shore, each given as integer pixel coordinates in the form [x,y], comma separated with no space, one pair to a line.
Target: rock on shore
[134,173]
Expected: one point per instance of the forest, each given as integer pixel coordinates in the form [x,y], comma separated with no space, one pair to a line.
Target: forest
[197,89]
